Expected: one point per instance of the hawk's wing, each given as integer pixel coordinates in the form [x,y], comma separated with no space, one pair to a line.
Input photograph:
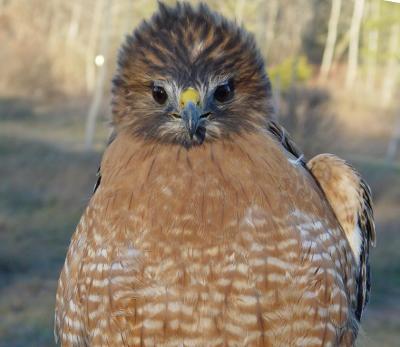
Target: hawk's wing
[350,198]
[284,139]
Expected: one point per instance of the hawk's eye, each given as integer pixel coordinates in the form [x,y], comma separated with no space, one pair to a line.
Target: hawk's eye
[224,92]
[159,94]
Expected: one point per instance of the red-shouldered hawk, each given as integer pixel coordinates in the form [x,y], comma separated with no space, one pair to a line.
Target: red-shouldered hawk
[208,228]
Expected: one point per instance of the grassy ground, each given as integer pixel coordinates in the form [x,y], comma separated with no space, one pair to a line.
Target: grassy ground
[46,186]
[45,183]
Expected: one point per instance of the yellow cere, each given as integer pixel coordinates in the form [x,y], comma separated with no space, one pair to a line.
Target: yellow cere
[189,95]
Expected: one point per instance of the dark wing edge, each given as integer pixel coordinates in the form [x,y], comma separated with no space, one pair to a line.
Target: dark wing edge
[98,173]
[98,180]
[366,225]
[283,137]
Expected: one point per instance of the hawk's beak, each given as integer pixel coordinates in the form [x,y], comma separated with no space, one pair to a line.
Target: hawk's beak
[191,113]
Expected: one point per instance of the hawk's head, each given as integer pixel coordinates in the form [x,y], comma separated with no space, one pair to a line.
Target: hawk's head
[189,76]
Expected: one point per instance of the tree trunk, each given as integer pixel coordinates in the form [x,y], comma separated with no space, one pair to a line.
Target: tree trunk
[90,68]
[372,42]
[272,15]
[73,27]
[352,65]
[54,25]
[98,92]
[331,39]
[392,67]
[341,46]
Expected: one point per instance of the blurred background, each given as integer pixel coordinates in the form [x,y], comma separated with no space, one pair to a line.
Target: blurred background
[335,69]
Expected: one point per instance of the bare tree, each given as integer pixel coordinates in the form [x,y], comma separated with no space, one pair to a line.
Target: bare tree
[272,15]
[372,44]
[331,39]
[73,28]
[99,88]
[392,67]
[90,69]
[352,65]
[53,34]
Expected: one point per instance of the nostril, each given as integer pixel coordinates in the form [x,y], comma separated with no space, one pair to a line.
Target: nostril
[175,115]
